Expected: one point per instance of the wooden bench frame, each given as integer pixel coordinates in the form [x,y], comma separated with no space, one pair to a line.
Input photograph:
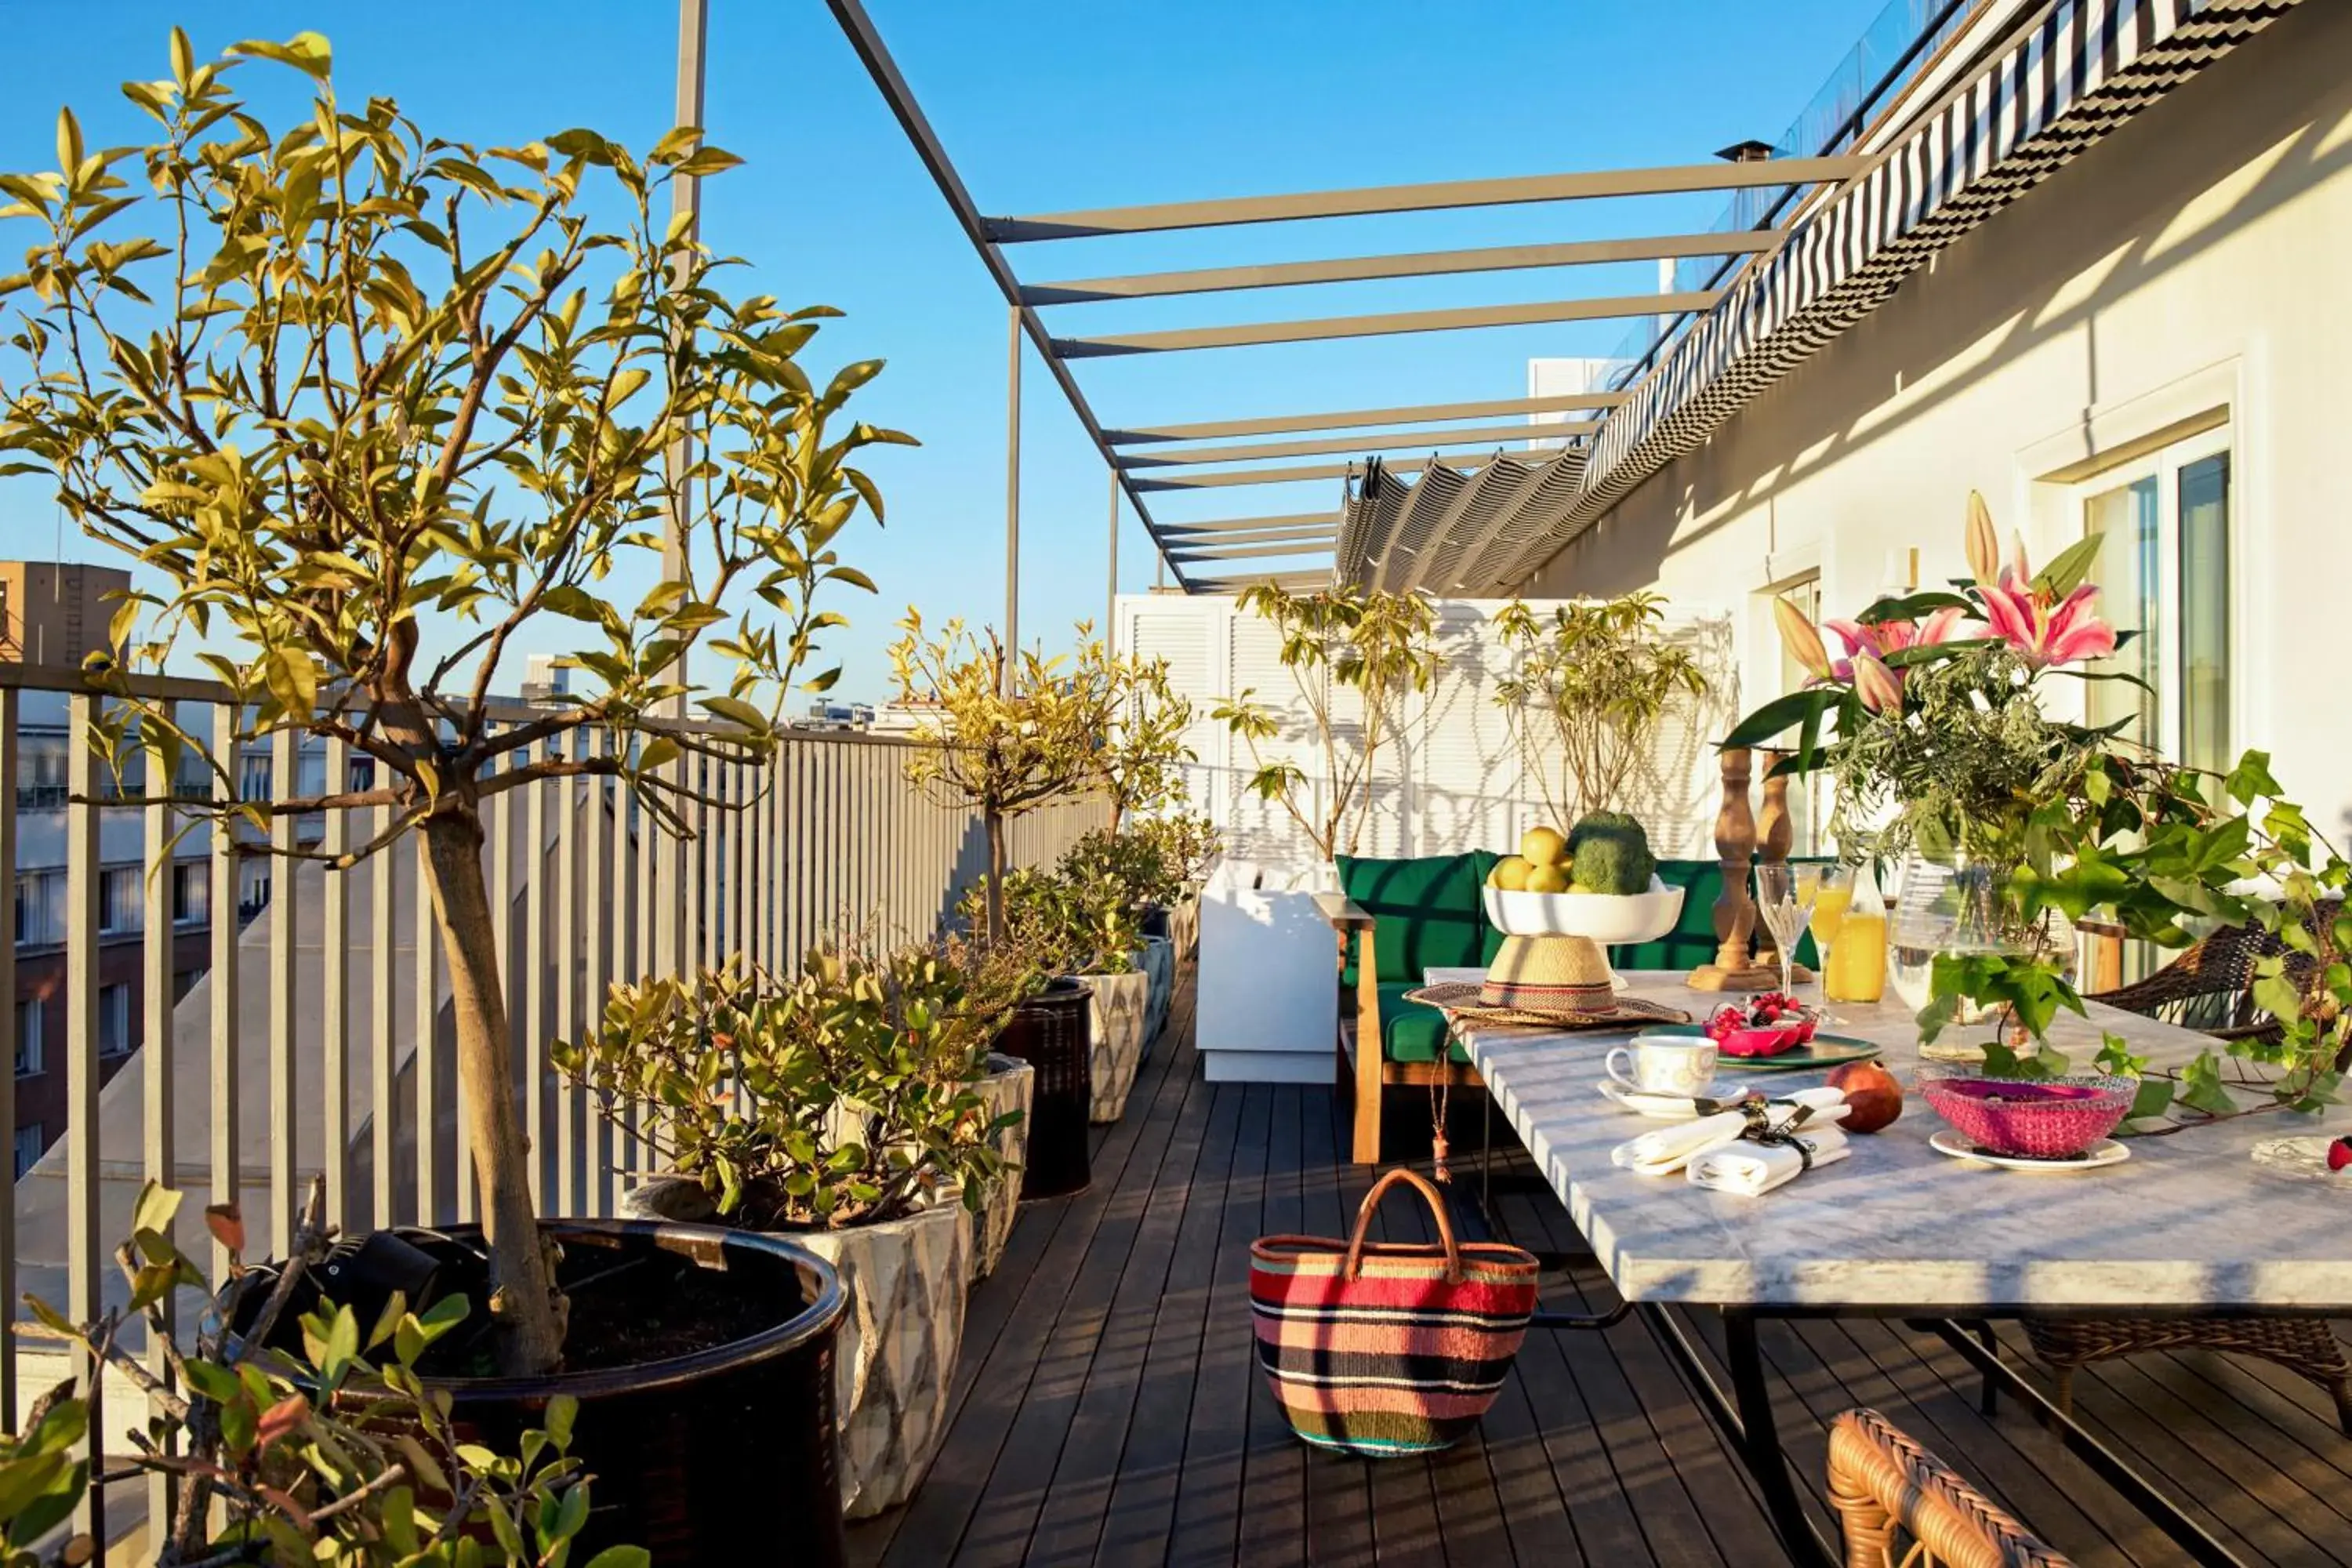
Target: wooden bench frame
[1366,1072]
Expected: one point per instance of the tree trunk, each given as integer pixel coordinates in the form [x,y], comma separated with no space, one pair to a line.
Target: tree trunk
[995,901]
[523,1300]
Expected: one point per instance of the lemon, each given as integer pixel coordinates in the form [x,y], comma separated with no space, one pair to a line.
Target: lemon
[1509,873]
[1547,880]
[1544,846]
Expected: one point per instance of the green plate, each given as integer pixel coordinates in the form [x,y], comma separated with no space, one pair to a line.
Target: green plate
[1824,1050]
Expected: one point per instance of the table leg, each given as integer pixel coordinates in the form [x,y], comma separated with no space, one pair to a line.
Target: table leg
[1760,1439]
[1744,1417]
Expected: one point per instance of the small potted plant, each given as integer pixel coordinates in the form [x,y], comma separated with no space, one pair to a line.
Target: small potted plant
[1063,923]
[1134,865]
[839,1109]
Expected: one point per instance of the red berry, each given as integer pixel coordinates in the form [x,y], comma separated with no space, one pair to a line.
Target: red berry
[2339,1153]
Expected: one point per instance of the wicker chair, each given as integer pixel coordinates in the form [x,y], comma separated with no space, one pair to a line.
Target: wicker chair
[2210,988]
[1884,1486]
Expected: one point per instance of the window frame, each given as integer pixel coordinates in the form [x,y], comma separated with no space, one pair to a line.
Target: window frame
[2163,465]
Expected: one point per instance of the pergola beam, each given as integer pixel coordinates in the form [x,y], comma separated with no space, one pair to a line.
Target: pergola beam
[1375,441]
[1430,197]
[1460,318]
[1244,551]
[1313,471]
[1249,579]
[865,39]
[1425,264]
[1321,536]
[1343,420]
[1259,524]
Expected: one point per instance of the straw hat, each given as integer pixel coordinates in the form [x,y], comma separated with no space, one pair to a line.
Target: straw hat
[1559,981]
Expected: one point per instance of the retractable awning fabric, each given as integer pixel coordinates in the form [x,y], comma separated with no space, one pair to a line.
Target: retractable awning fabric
[2082,68]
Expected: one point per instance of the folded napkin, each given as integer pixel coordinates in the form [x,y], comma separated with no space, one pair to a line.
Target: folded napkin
[1751,1169]
[1669,1149]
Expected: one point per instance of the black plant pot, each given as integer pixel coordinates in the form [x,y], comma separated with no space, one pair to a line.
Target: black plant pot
[1155,919]
[1054,1033]
[721,1457]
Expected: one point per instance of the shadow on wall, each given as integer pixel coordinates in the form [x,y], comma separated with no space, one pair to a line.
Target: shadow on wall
[2281,101]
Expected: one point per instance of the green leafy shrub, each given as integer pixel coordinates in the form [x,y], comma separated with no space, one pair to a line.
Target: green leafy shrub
[1069,922]
[1135,862]
[339,1455]
[1188,843]
[843,1098]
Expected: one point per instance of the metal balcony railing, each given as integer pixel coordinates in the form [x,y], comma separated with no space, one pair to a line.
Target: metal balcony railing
[320,1040]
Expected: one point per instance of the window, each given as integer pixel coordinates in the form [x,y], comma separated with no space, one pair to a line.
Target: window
[119,909]
[40,908]
[2163,523]
[185,981]
[253,778]
[191,892]
[28,1037]
[113,1020]
[31,1143]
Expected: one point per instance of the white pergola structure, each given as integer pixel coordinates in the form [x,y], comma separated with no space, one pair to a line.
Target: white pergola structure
[1989,99]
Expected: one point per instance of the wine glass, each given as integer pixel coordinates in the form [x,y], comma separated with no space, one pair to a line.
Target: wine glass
[1832,896]
[1781,903]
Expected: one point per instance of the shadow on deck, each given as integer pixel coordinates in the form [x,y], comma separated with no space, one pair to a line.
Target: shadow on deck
[1107,1410]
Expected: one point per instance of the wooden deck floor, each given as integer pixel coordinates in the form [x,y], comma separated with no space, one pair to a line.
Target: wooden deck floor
[1107,1411]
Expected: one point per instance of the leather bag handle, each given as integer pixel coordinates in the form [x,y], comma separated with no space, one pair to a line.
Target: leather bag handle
[1436,1202]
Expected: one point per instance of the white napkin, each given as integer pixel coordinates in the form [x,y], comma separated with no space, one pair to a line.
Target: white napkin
[1669,1149]
[1751,1170]
[1664,1151]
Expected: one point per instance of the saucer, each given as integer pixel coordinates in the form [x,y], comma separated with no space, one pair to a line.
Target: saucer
[2106,1152]
[1661,1107]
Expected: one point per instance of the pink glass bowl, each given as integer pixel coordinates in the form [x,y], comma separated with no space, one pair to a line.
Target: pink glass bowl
[2033,1119]
[1765,1039]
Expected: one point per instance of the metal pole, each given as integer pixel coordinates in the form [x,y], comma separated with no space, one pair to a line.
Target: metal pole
[1110,600]
[1012,496]
[693,31]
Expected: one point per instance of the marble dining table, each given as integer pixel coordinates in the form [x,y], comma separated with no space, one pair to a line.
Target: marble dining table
[2190,1223]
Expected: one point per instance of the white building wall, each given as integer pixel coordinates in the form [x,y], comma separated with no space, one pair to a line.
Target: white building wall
[2195,264]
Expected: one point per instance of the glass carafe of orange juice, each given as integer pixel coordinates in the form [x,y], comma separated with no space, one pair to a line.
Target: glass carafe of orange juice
[1855,969]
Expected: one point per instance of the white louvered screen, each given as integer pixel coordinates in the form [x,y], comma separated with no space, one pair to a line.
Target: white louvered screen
[1469,782]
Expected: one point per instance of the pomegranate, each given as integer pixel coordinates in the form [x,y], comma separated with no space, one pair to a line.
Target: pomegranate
[1873,1096]
[2339,1153]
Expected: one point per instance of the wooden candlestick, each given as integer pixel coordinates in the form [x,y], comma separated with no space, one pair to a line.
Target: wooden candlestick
[1735,908]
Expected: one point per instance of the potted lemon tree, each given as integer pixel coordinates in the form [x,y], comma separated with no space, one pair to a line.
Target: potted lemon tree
[371,410]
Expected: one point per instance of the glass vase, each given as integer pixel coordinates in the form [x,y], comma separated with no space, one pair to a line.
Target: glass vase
[1962,910]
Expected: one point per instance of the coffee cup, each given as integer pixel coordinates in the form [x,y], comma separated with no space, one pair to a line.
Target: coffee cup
[1664,1064]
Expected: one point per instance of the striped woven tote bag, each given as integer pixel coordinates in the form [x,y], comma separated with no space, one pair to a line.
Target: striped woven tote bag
[1382,1349]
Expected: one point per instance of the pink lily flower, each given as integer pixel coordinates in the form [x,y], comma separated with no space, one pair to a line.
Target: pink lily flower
[2045,632]
[1879,686]
[1883,638]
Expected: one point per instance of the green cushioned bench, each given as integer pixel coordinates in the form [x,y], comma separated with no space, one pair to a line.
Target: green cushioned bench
[1415,915]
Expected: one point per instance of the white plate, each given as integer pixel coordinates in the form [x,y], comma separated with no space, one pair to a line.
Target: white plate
[2303,1158]
[1606,918]
[1665,1107]
[2106,1152]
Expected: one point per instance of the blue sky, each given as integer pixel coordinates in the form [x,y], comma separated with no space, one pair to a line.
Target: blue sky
[1048,106]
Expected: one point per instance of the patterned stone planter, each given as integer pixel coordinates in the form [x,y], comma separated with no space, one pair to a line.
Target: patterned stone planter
[894,1356]
[1009,1086]
[1157,959]
[1118,1005]
[1184,924]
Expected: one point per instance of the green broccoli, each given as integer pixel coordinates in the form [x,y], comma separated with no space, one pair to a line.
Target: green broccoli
[1593,822]
[1611,854]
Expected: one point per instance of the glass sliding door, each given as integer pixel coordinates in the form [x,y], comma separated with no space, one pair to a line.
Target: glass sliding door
[2164,573]
[2204,509]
